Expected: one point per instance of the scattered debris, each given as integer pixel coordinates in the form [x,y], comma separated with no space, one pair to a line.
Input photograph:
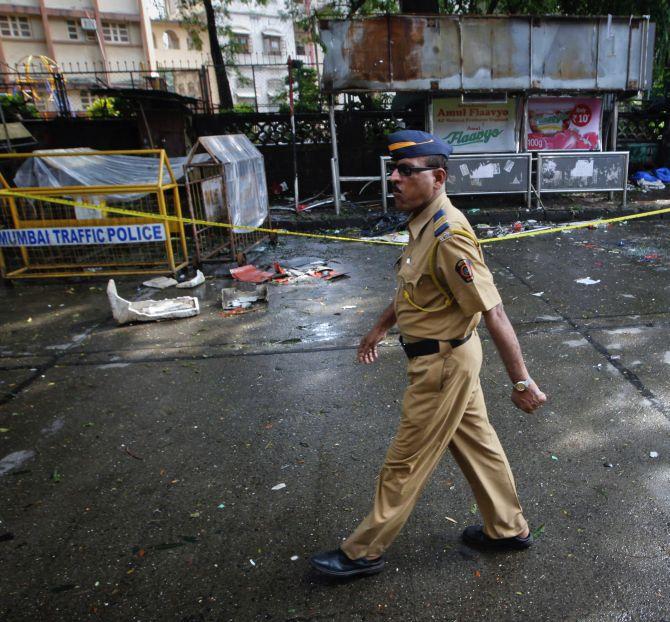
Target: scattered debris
[252,562]
[160,282]
[294,558]
[608,465]
[198,279]
[653,454]
[451,520]
[587,280]
[125,311]
[131,454]
[250,274]
[233,298]
[401,237]
[14,460]
[279,486]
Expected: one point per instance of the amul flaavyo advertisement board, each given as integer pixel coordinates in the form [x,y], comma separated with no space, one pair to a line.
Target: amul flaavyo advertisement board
[476,128]
[564,124]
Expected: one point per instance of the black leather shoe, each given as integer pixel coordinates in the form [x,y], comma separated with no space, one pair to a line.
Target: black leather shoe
[475,536]
[337,564]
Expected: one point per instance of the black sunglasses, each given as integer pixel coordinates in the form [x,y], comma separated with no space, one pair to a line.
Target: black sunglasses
[405,170]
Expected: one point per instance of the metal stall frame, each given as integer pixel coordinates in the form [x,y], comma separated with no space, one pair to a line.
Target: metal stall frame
[229,240]
[586,154]
[10,195]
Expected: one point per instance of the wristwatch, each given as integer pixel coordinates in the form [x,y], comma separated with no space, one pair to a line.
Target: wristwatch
[522,385]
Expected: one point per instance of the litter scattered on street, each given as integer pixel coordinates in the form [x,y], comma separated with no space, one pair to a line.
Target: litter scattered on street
[125,311]
[234,298]
[250,274]
[279,486]
[160,282]
[587,280]
[198,279]
[653,454]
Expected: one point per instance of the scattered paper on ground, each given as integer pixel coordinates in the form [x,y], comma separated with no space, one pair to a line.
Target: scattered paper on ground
[587,280]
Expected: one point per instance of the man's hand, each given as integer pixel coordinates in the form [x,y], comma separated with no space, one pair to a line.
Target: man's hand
[530,399]
[367,348]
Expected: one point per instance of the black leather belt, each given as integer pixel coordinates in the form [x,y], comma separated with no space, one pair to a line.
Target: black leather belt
[428,346]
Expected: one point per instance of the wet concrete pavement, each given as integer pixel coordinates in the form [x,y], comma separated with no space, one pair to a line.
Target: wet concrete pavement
[149,452]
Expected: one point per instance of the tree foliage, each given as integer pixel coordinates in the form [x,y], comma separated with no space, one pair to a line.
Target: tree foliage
[16,108]
[306,93]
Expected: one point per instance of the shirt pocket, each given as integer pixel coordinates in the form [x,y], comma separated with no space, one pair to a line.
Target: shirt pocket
[409,278]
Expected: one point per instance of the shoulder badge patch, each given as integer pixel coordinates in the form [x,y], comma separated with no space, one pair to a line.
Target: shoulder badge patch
[464,270]
[440,224]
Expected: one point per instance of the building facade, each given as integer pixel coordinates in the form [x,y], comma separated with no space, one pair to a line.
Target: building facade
[82,36]
[132,44]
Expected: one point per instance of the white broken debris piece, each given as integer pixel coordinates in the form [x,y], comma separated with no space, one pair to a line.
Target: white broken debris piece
[198,279]
[279,486]
[160,282]
[587,280]
[125,311]
[234,298]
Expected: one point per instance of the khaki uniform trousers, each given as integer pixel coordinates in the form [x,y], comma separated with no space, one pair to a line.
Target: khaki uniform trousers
[443,407]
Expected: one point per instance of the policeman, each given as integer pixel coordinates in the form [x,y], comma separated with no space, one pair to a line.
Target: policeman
[444,288]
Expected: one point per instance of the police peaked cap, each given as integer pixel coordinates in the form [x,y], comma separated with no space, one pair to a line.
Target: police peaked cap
[414,143]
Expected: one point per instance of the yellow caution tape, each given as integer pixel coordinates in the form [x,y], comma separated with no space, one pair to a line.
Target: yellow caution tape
[321,236]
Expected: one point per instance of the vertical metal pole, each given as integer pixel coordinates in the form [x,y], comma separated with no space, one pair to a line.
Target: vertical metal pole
[382,176]
[334,163]
[293,136]
[253,77]
[538,188]
[529,199]
[429,121]
[625,181]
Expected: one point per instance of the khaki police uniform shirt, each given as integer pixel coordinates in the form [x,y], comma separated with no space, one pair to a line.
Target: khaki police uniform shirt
[459,266]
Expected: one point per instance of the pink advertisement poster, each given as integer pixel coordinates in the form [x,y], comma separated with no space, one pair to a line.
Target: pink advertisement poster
[563,124]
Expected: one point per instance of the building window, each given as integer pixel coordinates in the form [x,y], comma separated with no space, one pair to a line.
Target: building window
[190,89]
[72,32]
[90,35]
[300,49]
[170,40]
[241,43]
[275,86]
[13,26]
[115,32]
[87,98]
[271,44]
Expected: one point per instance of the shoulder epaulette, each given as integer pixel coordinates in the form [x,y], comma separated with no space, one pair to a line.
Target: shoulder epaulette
[440,224]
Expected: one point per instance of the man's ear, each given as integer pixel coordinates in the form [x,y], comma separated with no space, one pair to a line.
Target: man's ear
[440,176]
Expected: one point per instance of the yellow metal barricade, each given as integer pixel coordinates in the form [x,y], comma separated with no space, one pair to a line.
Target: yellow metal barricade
[42,238]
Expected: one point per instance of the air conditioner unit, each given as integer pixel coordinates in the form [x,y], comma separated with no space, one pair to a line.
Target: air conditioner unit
[88,23]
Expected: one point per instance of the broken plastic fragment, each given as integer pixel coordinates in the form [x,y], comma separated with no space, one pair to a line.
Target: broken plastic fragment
[160,282]
[279,486]
[653,454]
[125,311]
[234,298]
[198,279]
[587,280]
